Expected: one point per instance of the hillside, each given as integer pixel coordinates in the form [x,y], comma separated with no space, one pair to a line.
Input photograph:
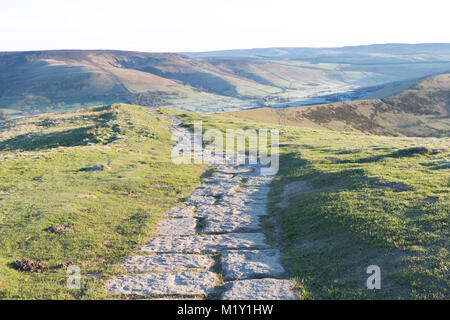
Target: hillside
[82,188]
[88,187]
[341,202]
[421,110]
[40,81]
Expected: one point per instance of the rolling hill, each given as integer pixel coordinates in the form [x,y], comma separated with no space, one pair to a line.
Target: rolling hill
[39,81]
[421,110]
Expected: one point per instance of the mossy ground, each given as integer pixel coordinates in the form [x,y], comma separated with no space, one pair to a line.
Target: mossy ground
[342,202]
[339,203]
[112,211]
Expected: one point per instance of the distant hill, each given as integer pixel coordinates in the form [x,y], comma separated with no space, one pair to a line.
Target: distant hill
[207,82]
[421,110]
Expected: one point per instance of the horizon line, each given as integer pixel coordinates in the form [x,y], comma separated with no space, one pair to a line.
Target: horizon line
[235,49]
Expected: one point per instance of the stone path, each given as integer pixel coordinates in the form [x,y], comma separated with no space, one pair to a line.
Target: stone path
[217,230]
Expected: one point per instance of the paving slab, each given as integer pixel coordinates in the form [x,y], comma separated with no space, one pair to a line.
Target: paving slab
[198,200]
[249,264]
[259,289]
[205,243]
[234,223]
[234,170]
[177,226]
[260,210]
[216,210]
[181,212]
[167,262]
[182,283]
[218,189]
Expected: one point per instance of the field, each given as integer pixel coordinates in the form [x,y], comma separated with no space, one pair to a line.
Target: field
[106,209]
[340,202]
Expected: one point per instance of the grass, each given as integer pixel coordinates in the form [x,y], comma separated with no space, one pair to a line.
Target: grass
[342,202]
[112,211]
[339,203]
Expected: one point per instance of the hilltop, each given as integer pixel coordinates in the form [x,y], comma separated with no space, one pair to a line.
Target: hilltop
[421,110]
[39,81]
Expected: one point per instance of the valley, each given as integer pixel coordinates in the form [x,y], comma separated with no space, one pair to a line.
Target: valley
[43,81]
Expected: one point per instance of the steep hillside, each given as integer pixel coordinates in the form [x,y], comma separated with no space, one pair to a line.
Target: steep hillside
[45,80]
[422,110]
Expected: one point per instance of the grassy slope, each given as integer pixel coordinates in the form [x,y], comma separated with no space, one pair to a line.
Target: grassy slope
[333,219]
[40,187]
[330,219]
[419,111]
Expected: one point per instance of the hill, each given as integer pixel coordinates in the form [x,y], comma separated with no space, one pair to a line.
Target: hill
[87,187]
[421,110]
[82,188]
[40,81]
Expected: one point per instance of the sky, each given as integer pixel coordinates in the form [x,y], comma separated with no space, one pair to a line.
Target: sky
[205,25]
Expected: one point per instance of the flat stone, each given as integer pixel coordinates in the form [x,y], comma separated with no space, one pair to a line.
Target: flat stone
[258,181]
[167,262]
[219,176]
[250,264]
[180,226]
[238,199]
[181,212]
[216,189]
[234,170]
[205,243]
[257,192]
[183,283]
[216,210]
[260,210]
[198,200]
[259,289]
[235,223]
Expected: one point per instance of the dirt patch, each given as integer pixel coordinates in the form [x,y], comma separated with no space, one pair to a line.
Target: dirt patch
[65,265]
[28,265]
[130,195]
[293,189]
[427,199]
[87,196]
[396,186]
[333,159]
[60,228]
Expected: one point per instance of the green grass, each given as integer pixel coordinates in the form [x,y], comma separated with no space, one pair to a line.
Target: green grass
[342,202]
[40,186]
[339,203]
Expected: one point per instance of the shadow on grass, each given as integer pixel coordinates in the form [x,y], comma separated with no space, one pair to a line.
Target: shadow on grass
[35,141]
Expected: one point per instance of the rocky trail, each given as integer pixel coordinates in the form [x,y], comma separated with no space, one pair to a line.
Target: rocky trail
[212,246]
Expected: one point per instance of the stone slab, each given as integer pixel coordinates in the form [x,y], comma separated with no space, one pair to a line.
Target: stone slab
[167,262]
[205,243]
[177,226]
[181,212]
[216,210]
[249,264]
[234,223]
[182,283]
[259,289]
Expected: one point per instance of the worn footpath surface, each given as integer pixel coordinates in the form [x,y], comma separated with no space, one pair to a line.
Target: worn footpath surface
[212,246]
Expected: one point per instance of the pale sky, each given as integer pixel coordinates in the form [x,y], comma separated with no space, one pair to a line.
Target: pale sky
[203,25]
